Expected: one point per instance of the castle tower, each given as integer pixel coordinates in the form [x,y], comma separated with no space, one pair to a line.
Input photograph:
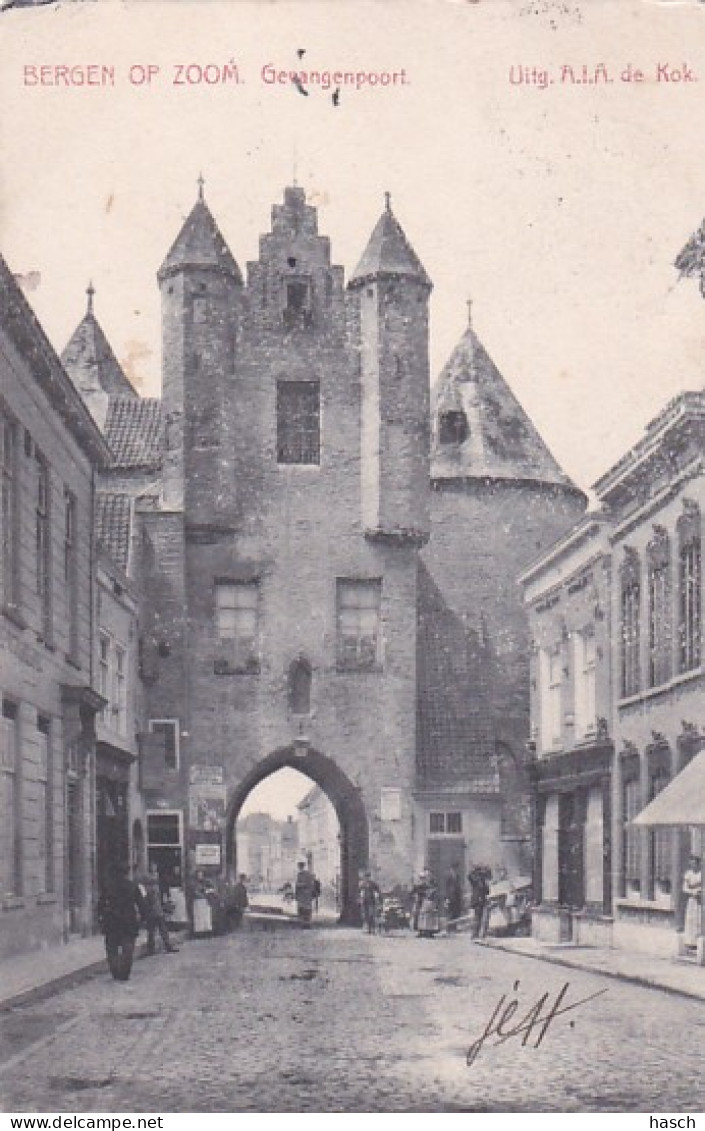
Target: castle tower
[92,365]
[201,289]
[391,289]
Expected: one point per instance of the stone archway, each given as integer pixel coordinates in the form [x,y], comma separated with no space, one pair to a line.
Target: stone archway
[345,798]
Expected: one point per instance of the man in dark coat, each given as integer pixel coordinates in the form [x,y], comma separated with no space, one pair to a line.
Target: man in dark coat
[303,893]
[121,907]
[479,878]
[154,913]
[240,901]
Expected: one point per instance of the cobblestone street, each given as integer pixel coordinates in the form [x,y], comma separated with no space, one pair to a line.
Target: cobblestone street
[333,1020]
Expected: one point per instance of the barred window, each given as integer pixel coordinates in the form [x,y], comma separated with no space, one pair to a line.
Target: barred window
[298,303]
[358,612]
[298,422]
[237,621]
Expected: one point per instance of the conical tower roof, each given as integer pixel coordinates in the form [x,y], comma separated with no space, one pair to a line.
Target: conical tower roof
[200,244]
[89,360]
[388,253]
[496,439]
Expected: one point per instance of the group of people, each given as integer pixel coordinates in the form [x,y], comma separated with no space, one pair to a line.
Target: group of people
[122,908]
[429,906]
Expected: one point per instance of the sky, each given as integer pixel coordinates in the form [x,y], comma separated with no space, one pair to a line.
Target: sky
[557,208]
[278,794]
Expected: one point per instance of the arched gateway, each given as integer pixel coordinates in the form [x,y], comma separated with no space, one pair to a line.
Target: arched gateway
[345,798]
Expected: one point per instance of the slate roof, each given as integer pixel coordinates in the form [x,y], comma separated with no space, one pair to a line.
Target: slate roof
[455,742]
[501,441]
[112,525]
[388,252]
[200,244]
[91,363]
[133,431]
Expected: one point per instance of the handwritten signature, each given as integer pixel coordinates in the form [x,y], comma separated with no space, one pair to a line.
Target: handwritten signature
[535,1023]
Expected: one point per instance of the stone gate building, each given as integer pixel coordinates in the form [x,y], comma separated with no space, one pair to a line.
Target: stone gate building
[320,592]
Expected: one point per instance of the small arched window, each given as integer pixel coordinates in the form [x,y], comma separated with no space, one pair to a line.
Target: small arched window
[453,427]
[300,687]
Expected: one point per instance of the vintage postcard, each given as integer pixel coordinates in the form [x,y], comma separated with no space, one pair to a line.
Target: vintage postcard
[352,750]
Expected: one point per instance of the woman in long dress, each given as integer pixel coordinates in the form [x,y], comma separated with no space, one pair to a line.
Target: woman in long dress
[692,888]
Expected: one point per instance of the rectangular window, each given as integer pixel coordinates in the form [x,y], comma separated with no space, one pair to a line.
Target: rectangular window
[632,837]
[45,807]
[454,822]
[71,570]
[169,728]
[358,615]
[298,422]
[585,684]
[43,545]
[165,844]
[104,675]
[120,693]
[437,822]
[298,305]
[237,622]
[661,841]
[10,512]
[11,817]
[690,567]
[631,638]
[551,697]
[659,625]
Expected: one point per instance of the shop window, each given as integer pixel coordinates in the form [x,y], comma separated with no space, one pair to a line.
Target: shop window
[10,511]
[631,864]
[165,845]
[453,427]
[45,806]
[169,729]
[11,802]
[661,853]
[237,624]
[298,422]
[689,590]
[358,617]
[630,625]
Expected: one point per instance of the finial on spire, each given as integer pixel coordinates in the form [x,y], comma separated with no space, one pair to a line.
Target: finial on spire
[469,301]
[201,182]
[90,291]
[388,201]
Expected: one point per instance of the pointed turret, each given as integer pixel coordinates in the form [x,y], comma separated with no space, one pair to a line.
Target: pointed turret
[388,253]
[201,288]
[92,366]
[200,244]
[480,431]
[389,294]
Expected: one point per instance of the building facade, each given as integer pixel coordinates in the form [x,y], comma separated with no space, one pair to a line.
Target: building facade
[51,449]
[568,593]
[656,495]
[325,556]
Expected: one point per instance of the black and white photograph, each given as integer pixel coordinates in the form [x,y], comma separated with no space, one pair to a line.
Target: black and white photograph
[352,656]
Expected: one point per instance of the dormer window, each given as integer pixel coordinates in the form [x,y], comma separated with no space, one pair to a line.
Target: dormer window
[298,304]
[453,427]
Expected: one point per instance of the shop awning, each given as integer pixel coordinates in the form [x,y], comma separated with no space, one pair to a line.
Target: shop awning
[682,802]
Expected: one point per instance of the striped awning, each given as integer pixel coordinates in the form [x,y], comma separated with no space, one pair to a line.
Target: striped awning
[682,802]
